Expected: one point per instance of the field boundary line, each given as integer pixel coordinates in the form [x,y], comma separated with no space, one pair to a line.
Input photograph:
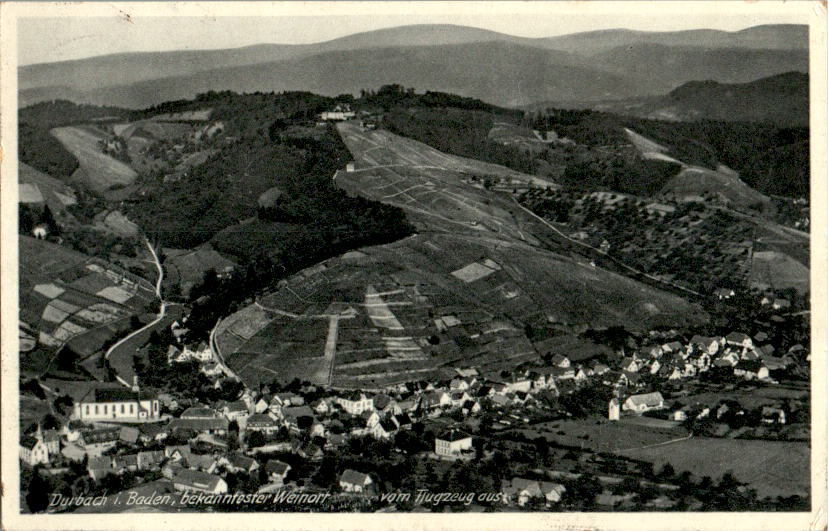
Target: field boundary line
[657,444]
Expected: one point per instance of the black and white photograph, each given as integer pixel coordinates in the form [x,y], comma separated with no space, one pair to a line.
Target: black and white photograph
[414,258]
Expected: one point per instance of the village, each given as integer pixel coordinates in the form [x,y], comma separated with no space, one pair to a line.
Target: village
[272,439]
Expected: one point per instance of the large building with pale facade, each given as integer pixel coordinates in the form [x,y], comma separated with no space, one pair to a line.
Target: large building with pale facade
[117,405]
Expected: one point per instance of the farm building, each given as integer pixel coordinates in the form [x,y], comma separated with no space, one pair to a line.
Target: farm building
[195,480]
[353,481]
[277,470]
[644,402]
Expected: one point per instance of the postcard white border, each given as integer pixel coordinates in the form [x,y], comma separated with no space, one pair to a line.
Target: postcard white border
[812,13]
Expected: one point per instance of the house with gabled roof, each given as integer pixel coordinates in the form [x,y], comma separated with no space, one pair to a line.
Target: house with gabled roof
[320,406]
[353,481]
[356,402]
[98,467]
[724,293]
[644,402]
[199,412]
[672,346]
[177,452]
[383,429]
[520,490]
[738,339]
[276,470]
[551,491]
[95,442]
[470,407]
[629,364]
[710,345]
[452,443]
[149,460]
[236,410]
[262,422]
[186,480]
[653,351]
[211,426]
[126,462]
[292,415]
[237,462]
[51,438]
[751,370]
[435,399]
[261,405]
[559,360]
[205,463]
[33,451]
[152,432]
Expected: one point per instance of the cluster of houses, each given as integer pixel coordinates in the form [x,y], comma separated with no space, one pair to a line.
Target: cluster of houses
[520,491]
[118,430]
[200,353]
[746,356]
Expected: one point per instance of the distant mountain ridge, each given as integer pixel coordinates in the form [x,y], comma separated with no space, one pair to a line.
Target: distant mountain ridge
[781,100]
[585,66]
[499,73]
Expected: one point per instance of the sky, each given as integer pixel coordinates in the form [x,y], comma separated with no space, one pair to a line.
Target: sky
[45,39]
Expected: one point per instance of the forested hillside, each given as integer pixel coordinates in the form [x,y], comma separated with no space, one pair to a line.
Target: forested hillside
[752,149]
[270,141]
[38,148]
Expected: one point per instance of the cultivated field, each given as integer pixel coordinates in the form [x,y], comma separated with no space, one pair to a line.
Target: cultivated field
[38,188]
[604,436]
[694,181]
[187,266]
[772,468]
[99,171]
[65,295]
[772,268]
[459,293]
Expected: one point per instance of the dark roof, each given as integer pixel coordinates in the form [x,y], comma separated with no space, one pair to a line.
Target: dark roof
[381,401]
[736,337]
[274,466]
[99,462]
[388,426]
[296,412]
[749,365]
[27,441]
[151,429]
[353,477]
[199,412]
[453,435]
[196,479]
[103,435]
[260,419]
[120,395]
[129,434]
[238,405]
[241,461]
[199,424]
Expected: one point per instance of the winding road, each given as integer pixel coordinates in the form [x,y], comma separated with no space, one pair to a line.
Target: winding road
[123,375]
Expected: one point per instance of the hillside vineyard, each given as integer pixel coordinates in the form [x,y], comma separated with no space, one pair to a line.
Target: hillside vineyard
[423,268]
